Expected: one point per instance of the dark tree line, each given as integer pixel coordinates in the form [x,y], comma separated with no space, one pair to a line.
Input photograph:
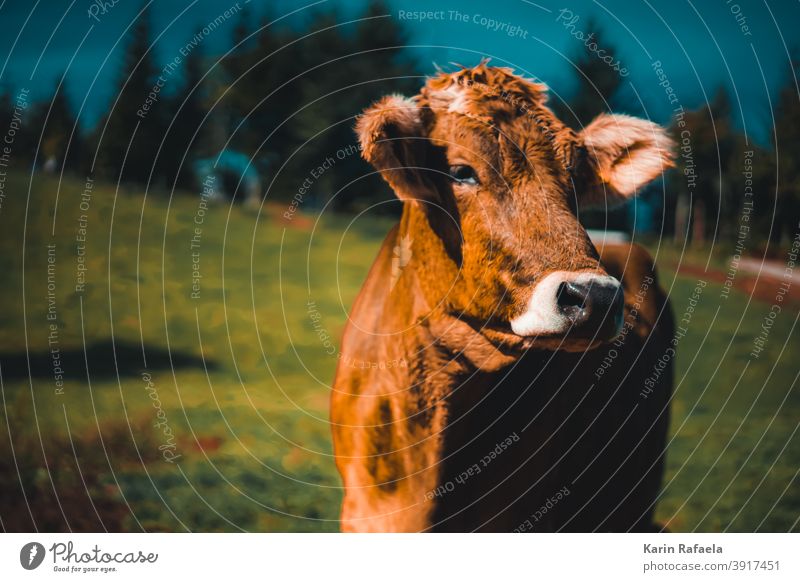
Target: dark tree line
[285,96]
[726,187]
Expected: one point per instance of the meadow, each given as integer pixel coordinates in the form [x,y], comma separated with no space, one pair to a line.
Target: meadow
[197,344]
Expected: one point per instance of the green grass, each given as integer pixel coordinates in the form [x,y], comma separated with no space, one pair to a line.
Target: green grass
[242,374]
[734,451]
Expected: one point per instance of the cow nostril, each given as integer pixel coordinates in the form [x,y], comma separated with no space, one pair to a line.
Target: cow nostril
[594,308]
[571,299]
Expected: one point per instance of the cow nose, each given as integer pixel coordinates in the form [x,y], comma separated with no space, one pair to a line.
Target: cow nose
[572,300]
[583,305]
[594,308]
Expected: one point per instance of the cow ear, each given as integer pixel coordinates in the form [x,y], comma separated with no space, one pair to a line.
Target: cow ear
[393,140]
[621,154]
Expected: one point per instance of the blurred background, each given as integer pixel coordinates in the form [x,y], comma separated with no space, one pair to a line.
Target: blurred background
[185,220]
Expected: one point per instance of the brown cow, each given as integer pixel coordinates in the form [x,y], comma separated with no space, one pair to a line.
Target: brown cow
[479,387]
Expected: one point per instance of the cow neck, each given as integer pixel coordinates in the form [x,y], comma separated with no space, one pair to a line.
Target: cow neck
[435,267]
[435,263]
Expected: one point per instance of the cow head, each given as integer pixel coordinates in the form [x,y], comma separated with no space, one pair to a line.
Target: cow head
[501,182]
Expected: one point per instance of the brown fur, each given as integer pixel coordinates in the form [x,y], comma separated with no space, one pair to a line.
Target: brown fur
[448,378]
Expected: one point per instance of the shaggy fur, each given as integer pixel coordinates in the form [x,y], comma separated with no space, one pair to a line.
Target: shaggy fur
[444,379]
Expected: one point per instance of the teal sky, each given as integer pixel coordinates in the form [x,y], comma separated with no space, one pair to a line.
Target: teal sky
[701,45]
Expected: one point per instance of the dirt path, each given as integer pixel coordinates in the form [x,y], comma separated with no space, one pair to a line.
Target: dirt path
[754,278]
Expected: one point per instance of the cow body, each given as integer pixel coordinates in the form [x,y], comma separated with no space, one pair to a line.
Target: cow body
[491,376]
[585,422]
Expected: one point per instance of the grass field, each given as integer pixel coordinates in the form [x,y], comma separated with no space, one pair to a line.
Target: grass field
[210,413]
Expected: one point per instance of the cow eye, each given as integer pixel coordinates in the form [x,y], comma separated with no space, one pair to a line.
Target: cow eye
[464,175]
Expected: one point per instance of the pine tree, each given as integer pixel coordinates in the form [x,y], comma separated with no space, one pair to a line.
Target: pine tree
[786,137]
[596,92]
[707,180]
[598,80]
[136,122]
[187,138]
[61,140]
[6,109]
[292,91]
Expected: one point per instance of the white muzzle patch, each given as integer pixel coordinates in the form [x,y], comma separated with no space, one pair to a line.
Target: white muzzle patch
[544,316]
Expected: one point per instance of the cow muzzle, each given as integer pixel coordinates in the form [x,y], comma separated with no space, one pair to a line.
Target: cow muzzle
[584,305]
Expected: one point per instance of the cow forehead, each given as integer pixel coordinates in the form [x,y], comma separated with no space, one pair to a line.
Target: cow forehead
[483,92]
[493,100]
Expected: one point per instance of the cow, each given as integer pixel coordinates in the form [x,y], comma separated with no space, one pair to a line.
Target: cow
[498,372]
